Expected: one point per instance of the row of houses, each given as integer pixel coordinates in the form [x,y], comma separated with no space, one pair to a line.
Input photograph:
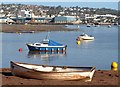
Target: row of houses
[59,19]
[27,16]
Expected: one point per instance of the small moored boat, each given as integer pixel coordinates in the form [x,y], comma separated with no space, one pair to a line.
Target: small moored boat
[85,37]
[47,45]
[88,25]
[35,71]
[66,25]
[109,26]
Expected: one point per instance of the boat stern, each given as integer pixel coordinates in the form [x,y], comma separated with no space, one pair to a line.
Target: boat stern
[91,74]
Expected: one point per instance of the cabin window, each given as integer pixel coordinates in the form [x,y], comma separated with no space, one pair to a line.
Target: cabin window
[37,44]
[45,43]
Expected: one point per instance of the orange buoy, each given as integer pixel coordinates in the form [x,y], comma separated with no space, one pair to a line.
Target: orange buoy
[20,49]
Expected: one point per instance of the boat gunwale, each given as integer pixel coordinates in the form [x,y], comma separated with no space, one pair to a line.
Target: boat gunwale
[90,70]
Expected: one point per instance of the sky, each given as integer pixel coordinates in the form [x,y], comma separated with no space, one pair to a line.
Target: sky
[113,4]
[60,1]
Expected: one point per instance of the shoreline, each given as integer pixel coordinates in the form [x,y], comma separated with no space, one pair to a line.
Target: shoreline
[33,28]
[101,77]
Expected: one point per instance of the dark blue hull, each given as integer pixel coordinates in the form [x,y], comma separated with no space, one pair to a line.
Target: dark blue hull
[47,49]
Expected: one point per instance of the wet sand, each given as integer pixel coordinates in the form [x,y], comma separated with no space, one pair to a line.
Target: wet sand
[101,77]
[21,28]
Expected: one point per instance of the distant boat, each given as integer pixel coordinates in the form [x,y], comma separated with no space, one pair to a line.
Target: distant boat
[96,25]
[35,71]
[109,26]
[85,37]
[88,25]
[66,25]
[47,45]
[27,31]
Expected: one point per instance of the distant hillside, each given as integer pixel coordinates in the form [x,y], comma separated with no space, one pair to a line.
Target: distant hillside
[55,10]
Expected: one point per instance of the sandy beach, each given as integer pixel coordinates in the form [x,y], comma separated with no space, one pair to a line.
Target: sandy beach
[21,28]
[101,77]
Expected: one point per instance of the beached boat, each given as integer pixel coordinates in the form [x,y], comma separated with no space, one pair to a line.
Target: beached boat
[47,45]
[35,71]
[85,37]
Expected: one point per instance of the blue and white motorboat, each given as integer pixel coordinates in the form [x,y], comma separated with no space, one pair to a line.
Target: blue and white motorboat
[47,45]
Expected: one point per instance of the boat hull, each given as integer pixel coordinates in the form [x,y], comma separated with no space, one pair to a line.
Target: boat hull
[35,74]
[47,49]
[85,38]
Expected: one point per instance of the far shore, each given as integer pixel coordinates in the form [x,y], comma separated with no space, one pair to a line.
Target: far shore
[18,28]
[101,77]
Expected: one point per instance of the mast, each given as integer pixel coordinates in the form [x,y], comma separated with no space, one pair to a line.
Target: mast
[47,36]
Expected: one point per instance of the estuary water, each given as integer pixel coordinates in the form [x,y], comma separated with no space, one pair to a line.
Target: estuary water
[100,52]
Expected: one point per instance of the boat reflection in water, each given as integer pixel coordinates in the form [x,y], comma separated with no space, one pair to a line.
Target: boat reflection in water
[87,41]
[45,55]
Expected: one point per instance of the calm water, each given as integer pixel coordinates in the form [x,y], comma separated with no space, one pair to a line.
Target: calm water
[100,52]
